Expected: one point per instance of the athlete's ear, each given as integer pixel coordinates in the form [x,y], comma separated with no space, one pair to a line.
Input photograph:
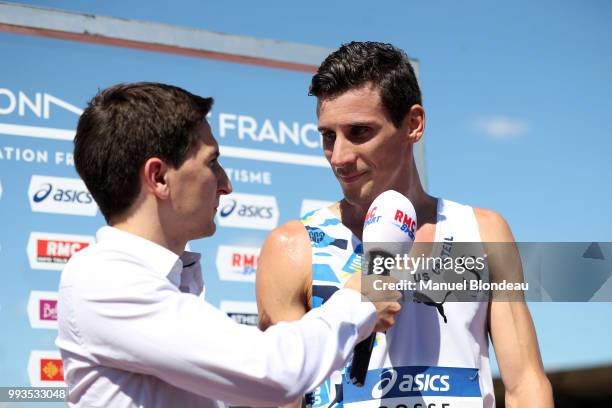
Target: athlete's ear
[154,177]
[414,123]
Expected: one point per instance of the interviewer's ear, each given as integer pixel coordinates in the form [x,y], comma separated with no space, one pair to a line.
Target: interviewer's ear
[414,123]
[154,174]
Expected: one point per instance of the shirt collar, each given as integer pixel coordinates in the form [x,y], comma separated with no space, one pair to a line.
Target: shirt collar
[160,259]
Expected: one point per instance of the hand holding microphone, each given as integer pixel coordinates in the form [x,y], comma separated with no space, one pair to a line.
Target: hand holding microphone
[389,229]
[386,301]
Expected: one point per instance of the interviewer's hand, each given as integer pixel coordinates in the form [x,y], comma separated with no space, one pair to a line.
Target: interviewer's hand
[386,301]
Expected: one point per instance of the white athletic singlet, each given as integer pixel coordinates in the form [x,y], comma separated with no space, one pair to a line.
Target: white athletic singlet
[423,361]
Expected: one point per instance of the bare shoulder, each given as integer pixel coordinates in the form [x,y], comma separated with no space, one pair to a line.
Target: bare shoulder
[288,243]
[492,226]
[291,229]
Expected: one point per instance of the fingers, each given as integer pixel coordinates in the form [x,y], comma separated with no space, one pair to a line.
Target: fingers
[387,312]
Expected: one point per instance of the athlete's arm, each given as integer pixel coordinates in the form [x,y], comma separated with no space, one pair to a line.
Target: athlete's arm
[284,278]
[510,325]
[283,275]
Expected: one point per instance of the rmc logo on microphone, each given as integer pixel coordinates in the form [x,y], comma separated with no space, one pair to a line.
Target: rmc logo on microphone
[371,217]
[248,211]
[407,223]
[61,195]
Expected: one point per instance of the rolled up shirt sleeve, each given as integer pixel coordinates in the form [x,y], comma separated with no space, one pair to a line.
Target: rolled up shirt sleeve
[146,325]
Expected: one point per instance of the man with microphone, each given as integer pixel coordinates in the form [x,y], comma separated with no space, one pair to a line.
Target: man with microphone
[133,328]
[370,117]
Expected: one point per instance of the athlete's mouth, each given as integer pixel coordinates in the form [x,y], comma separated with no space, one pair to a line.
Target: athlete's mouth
[349,178]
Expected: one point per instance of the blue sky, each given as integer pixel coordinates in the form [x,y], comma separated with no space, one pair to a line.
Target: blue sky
[518,105]
[516,93]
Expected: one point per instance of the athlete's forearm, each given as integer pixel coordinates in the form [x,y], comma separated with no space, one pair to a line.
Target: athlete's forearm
[533,393]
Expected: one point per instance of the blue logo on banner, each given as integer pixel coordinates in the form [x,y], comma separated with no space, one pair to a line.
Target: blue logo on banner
[43,193]
[228,209]
[62,195]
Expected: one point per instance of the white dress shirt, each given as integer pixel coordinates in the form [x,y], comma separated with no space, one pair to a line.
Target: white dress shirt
[130,335]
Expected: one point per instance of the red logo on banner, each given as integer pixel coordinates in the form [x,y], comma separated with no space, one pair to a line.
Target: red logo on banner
[56,251]
[48,309]
[51,369]
[247,263]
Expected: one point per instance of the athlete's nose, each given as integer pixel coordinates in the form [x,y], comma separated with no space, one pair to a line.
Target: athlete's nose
[343,153]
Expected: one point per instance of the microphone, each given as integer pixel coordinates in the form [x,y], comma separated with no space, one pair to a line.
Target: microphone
[389,226]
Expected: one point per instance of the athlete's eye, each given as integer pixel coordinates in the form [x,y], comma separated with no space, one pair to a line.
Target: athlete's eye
[359,131]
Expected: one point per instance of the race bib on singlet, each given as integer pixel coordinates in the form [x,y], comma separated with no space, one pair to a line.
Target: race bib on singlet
[416,387]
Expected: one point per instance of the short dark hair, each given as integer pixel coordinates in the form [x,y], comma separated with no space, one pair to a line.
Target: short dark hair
[125,125]
[356,63]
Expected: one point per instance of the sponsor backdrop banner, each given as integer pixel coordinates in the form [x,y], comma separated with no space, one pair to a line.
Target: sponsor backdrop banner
[263,119]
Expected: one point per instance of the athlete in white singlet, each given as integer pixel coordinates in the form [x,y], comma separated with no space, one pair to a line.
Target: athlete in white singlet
[370,116]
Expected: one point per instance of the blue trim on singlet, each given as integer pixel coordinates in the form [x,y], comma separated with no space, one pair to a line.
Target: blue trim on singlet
[323,272]
[330,221]
[329,241]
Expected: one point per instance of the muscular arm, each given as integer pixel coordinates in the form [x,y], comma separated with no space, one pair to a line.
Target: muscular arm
[510,325]
[284,280]
[283,275]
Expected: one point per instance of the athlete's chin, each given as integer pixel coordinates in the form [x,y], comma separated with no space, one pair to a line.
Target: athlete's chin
[359,195]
